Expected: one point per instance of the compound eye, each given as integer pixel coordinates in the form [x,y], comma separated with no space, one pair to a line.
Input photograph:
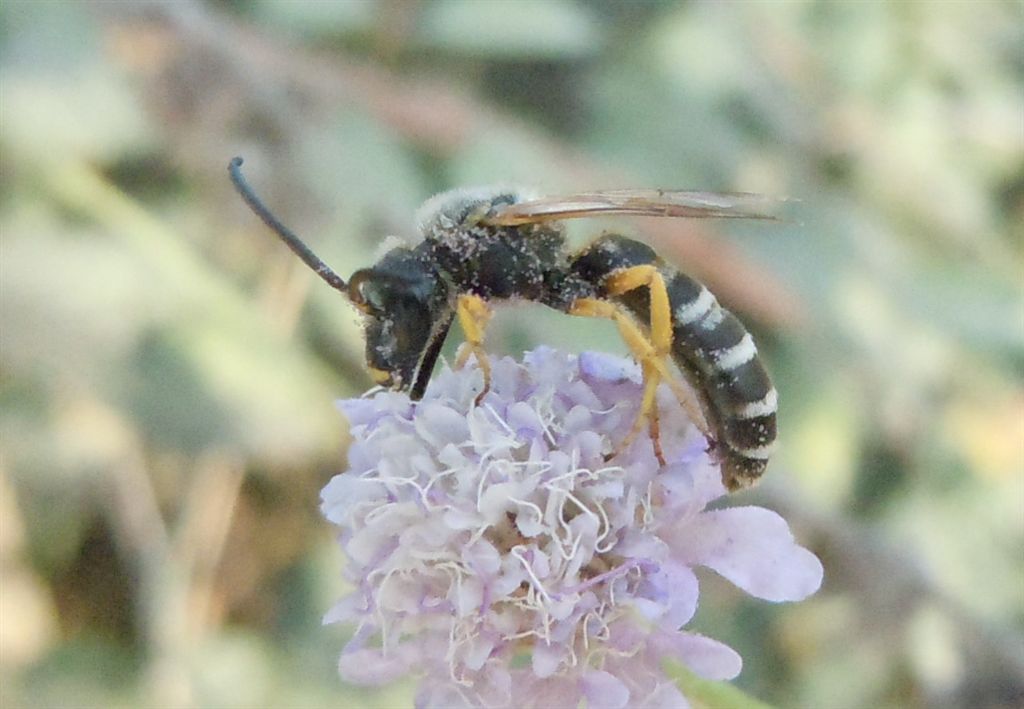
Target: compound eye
[362,293]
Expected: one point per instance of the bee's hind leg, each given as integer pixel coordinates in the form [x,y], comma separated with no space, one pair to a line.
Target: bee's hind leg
[654,370]
[648,275]
[651,351]
[474,314]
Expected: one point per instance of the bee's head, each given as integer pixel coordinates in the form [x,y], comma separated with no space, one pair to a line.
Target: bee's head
[402,298]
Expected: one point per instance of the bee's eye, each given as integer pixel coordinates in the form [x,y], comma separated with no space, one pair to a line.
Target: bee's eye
[363,293]
[366,293]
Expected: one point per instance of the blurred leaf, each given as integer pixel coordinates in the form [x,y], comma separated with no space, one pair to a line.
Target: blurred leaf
[976,306]
[988,431]
[86,112]
[86,335]
[972,531]
[823,436]
[234,670]
[507,29]
[67,677]
[315,18]
[169,398]
[357,166]
[688,145]
[707,694]
[505,156]
[44,39]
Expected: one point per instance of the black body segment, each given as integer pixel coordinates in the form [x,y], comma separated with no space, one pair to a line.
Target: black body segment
[713,350]
[496,263]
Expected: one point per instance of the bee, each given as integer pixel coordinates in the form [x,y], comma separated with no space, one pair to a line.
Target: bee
[491,244]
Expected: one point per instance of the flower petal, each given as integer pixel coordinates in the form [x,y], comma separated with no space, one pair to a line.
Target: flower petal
[362,412]
[666,696]
[345,492]
[546,693]
[753,548]
[476,651]
[438,693]
[372,667]
[604,690]
[468,595]
[675,586]
[440,425]
[494,687]
[482,557]
[602,367]
[546,658]
[348,608]
[706,657]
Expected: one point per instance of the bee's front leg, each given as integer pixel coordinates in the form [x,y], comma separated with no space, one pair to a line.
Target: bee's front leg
[474,314]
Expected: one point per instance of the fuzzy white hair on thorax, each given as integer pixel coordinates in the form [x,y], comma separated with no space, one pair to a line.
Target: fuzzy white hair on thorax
[389,243]
[445,208]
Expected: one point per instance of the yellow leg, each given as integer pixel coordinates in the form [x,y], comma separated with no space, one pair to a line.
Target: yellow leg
[661,312]
[644,351]
[652,352]
[661,330]
[655,433]
[474,314]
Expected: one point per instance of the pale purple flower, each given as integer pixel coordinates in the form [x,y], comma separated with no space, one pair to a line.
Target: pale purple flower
[500,557]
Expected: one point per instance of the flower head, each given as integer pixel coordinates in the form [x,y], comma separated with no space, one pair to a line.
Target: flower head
[498,554]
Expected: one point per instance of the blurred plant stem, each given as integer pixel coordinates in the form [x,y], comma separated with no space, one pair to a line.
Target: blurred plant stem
[175,562]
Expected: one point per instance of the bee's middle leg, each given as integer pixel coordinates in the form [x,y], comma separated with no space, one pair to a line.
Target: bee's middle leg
[474,314]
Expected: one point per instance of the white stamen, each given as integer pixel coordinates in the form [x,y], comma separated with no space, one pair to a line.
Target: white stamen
[529,505]
[516,551]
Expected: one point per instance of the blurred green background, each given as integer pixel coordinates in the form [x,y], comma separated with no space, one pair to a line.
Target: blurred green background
[168,368]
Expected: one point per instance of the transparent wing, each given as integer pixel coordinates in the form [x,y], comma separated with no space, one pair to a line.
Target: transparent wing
[640,202]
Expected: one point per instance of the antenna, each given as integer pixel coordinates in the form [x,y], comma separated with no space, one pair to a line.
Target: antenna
[284,233]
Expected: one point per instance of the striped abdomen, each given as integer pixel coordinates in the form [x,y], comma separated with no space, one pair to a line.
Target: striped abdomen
[712,348]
